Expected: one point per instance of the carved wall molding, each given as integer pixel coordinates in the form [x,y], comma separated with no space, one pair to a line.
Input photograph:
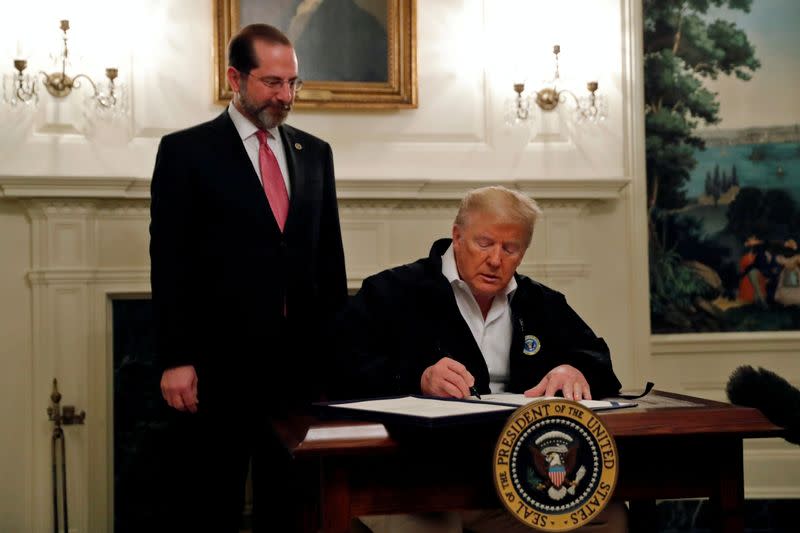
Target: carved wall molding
[555,270]
[73,187]
[780,459]
[382,206]
[762,342]
[124,208]
[69,235]
[63,276]
[121,187]
[57,207]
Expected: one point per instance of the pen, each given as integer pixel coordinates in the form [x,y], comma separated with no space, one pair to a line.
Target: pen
[472,390]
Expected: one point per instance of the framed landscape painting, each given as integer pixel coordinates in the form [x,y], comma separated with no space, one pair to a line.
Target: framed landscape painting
[352,53]
[722,126]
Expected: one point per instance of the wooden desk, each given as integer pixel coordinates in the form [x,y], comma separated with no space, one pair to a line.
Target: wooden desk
[664,452]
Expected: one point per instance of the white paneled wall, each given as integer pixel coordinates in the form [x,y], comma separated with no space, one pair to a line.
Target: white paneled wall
[73,212]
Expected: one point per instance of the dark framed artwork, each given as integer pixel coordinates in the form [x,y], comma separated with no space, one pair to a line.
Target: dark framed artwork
[722,130]
[353,54]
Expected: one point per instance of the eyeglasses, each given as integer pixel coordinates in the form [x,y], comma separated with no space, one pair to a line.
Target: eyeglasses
[275,84]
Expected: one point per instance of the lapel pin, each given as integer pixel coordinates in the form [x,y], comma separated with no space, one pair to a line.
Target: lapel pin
[298,146]
[532,345]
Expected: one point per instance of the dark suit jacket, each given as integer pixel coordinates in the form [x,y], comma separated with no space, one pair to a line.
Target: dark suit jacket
[222,270]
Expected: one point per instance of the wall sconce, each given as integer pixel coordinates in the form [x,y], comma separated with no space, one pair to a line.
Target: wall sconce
[108,100]
[591,108]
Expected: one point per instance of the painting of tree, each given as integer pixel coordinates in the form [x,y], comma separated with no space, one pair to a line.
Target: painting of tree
[719,235]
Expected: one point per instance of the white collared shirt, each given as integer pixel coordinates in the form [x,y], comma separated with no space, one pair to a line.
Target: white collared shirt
[492,335]
[247,132]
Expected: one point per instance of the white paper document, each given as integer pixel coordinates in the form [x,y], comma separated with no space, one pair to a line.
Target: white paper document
[433,408]
[521,399]
[422,407]
[366,431]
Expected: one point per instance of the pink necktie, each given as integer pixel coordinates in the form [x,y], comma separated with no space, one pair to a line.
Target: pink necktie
[271,177]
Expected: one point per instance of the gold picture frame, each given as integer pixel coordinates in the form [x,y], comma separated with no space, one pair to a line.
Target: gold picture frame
[397,90]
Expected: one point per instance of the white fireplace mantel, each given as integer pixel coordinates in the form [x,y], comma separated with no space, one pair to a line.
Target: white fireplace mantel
[396,188]
[89,245]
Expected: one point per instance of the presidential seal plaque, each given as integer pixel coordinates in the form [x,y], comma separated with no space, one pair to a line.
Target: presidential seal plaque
[555,465]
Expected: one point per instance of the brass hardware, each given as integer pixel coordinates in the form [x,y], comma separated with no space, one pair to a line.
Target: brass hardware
[548,99]
[60,84]
[63,416]
[588,107]
[60,416]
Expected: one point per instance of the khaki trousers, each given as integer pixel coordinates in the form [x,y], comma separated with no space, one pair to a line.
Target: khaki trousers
[613,519]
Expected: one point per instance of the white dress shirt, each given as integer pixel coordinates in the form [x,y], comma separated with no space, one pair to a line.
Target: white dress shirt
[492,335]
[247,132]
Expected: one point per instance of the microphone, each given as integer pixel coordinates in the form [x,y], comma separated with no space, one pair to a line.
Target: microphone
[778,399]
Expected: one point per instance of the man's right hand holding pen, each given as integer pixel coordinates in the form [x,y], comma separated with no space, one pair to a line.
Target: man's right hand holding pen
[448,379]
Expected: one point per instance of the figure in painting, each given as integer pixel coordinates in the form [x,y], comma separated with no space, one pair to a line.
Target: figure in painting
[788,290]
[361,44]
[335,40]
[752,265]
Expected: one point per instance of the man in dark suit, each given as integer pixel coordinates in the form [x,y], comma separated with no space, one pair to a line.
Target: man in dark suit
[247,269]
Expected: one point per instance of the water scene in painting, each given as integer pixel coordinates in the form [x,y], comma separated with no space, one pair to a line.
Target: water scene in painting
[723,164]
[739,231]
[766,166]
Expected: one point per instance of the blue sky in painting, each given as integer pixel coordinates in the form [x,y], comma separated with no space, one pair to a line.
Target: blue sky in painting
[771,97]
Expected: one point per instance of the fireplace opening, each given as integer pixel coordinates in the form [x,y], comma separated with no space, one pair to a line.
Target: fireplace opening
[140,416]
[139,412]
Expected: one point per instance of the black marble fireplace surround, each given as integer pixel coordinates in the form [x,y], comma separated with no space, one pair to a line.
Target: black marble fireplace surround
[140,418]
[139,413]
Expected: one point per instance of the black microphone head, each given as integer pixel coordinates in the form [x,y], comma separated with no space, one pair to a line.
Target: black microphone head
[778,399]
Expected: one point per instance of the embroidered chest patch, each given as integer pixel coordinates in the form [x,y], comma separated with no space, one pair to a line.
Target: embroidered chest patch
[531,346]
